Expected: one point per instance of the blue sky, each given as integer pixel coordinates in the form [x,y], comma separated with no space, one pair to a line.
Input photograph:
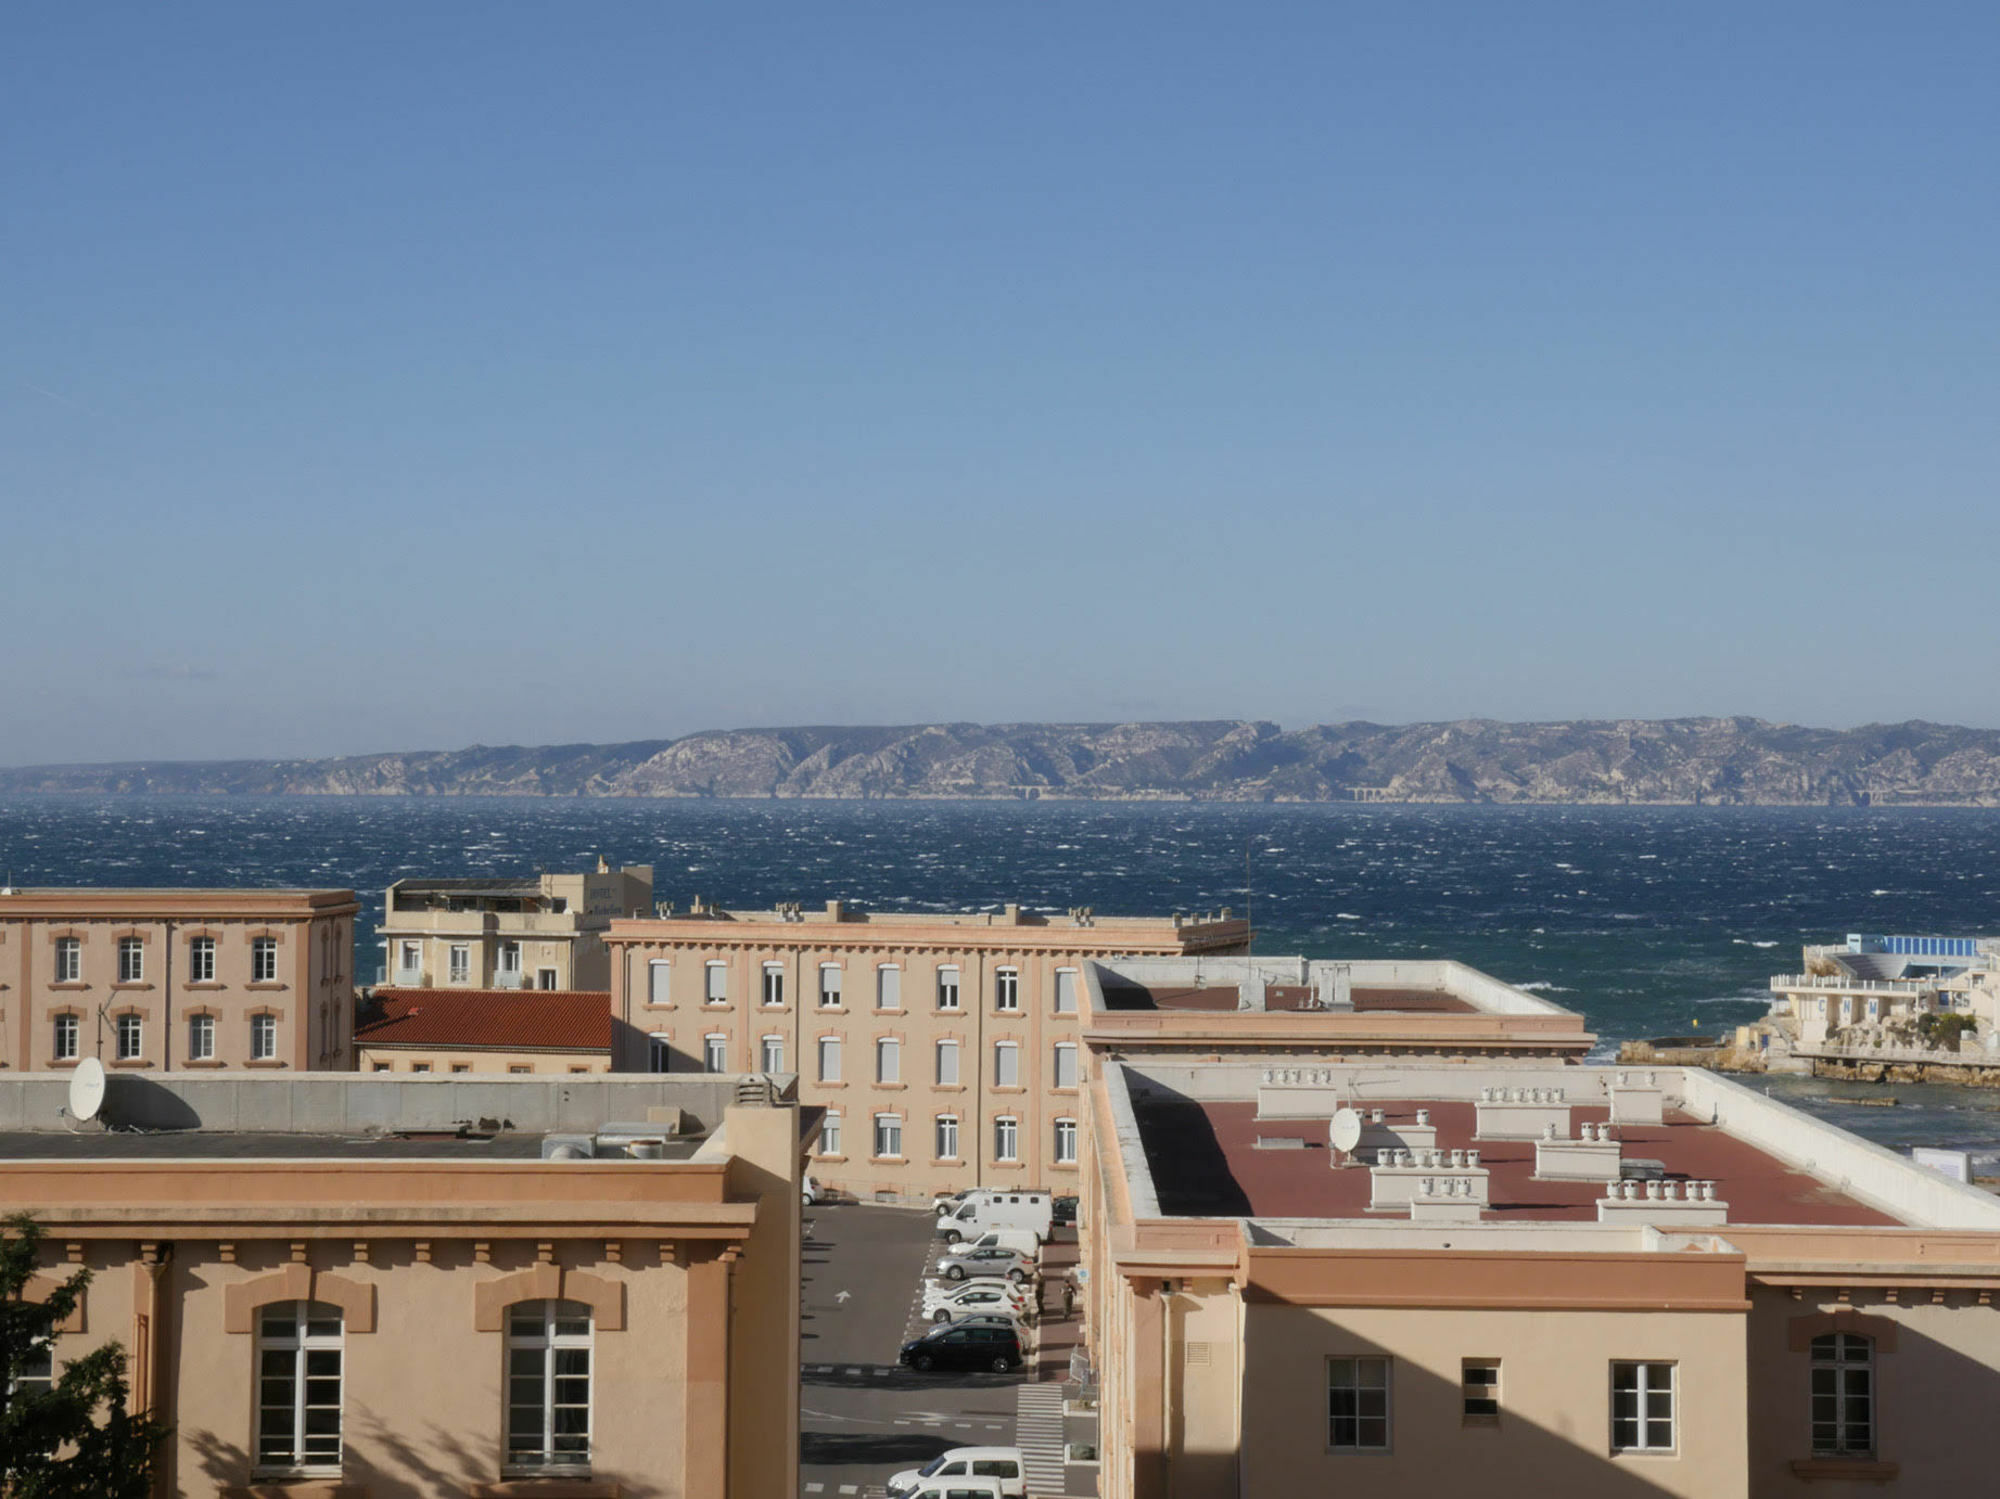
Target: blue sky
[386,377]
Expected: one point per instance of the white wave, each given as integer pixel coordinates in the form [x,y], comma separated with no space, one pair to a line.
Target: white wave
[1345,916]
[1544,986]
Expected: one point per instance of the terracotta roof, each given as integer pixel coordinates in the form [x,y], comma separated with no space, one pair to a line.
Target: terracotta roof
[497,1019]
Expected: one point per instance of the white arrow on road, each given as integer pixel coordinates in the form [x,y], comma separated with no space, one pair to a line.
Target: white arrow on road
[842,1295]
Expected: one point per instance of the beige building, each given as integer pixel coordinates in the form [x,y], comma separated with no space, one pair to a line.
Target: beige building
[1888,999]
[947,1050]
[177,980]
[329,1316]
[540,933]
[1522,1278]
[514,1032]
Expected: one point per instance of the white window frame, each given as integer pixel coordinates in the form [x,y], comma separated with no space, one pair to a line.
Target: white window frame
[299,1357]
[1645,1383]
[69,960]
[1479,1384]
[130,1031]
[948,991]
[829,1133]
[1007,990]
[944,1136]
[888,1059]
[1841,1434]
[201,960]
[1065,1142]
[715,982]
[67,1037]
[831,979]
[549,1340]
[659,981]
[1006,1138]
[1366,1374]
[1064,1064]
[889,1132]
[412,960]
[201,1038]
[131,960]
[263,960]
[1068,982]
[715,1052]
[888,986]
[460,963]
[828,1050]
[659,1052]
[771,1053]
[773,992]
[510,957]
[263,1038]
[947,1052]
[1006,1059]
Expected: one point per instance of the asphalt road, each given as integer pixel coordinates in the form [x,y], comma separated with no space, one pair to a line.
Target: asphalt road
[863,1416]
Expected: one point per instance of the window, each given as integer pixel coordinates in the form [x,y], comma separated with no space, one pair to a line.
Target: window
[1642,1407]
[1065,991]
[888,987]
[38,1371]
[131,1038]
[1843,1395]
[716,990]
[947,1137]
[201,1038]
[659,1051]
[829,1133]
[1007,989]
[829,1059]
[548,1385]
[714,1053]
[69,960]
[66,1038]
[131,961]
[1357,1404]
[510,958]
[1065,1142]
[201,960]
[1006,1064]
[771,1054]
[1479,1380]
[426,1067]
[1006,1139]
[774,983]
[461,1066]
[461,962]
[545,978]
[888,1061]
[947,1064]
[516,1069]
[947,987]
[829,985]
[383,1067]
[888,1135]
[264,960]
[1065,1073]
[412,961]
[659,982]
[298,1386]
[263,1038]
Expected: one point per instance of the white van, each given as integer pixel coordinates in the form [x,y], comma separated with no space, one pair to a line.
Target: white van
[986,1209]
[1002,1463]
[1023,1241]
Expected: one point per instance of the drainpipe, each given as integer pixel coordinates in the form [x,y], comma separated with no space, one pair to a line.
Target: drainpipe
[167,1024]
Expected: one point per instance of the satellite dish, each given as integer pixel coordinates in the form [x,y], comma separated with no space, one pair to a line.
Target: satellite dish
[1343,1131]
[86,1089]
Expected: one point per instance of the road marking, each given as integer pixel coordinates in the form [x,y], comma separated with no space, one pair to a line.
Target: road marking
[815,1488]
[842,1295]
[1038,1432]
[850,1488]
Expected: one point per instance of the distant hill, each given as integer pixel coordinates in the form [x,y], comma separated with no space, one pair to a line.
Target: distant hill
[1684,760]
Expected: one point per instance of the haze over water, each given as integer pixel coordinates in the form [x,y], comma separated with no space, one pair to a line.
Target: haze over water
[1650,921]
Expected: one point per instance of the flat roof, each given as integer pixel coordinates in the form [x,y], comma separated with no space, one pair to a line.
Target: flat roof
[204,1145]
[1280,997]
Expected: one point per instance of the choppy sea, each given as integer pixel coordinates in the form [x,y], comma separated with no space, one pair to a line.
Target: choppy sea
[1651,921]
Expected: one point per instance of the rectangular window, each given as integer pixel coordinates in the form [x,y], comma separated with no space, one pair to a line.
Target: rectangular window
[1007,989]
[264,960]
[66,1038]
[131,961]
[510,958]
[1843,1395]
[829,985]
[829,1134]
[38,1370]
[1065,991]
[888,987]
[411,966]
[1479,1381]
[461,962]
[947,1137]
[201,960]
[545,978]
[715,1053]
[1006,1139]
[201,1038]
[829,1059]
[659,982]
[947,987]
[888,1135]
[771,1055]
[263,1037]
[1642,1407]
[1065,1071]
[888,1061]
[716,991]
[298,1387]
[774,983]
[1065,1142]
[1357,1404]
[548,1385]
[131,1038]
[69,960]
[1006,1065]
[947,1064]
[659,1053]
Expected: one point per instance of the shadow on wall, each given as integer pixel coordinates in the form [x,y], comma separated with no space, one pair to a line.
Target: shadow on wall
[140,1103]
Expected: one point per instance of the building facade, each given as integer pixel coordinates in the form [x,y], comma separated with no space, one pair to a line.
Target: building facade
[177,980]
[540,933]
[512,1032]
[946,1049]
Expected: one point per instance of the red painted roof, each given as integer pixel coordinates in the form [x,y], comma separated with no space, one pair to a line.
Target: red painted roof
[496,1019]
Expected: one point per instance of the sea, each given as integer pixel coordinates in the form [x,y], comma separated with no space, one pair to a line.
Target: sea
[1649,920]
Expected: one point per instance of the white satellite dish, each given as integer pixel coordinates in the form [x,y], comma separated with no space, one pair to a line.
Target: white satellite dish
[1343,1131]
[86,1089]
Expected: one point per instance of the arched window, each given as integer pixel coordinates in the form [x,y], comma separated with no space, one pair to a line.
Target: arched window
[1843,1395]
[298,1387]
[548,1386]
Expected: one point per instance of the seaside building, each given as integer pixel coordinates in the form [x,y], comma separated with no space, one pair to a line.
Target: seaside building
[540,933]
[509,1031]
[329,1287]
[177,980]
[947,1050]
[1921,1000]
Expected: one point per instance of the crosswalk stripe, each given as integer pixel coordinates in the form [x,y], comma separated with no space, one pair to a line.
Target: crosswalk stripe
[1038,1431]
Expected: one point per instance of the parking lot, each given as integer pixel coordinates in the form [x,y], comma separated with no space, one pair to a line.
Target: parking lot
[863,1417]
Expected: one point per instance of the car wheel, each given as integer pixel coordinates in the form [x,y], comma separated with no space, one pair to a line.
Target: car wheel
[1002,1363]
[1018,1276]
[954,1272]
[940,1315]
[923,1361]
[952,1236]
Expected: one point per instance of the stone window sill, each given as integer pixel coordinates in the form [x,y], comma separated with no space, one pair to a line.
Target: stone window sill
[297,1488]
[824,1157]
[547,1488]
[1844,1469]
[950,1087]
[202,986]
[64,1062]
[833,1009]
[204,1062]
[888,1160]
[130,1062]
[265,1062]
[836,1083]
[133,987]
[1008,1088]
[271,987]
[70,986]
[892,1086]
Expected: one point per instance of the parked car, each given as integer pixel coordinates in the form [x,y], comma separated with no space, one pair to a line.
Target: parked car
[977,1296]
[959,1347]
[814,1192]
[948,1201]
[1008,1262]
[1064,1210]
[1003,1463]
[985,1319]
[1024,1239]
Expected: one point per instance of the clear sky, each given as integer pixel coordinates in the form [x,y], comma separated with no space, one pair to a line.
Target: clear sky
[395,376]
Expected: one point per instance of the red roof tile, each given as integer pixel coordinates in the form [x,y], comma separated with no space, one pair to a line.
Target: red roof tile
[498,1019]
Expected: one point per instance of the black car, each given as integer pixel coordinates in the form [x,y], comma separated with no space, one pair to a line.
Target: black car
[1063,1209]
[965,1346]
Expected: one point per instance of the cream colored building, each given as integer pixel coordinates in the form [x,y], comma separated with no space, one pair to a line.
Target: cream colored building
[177,980]
[947,1050]
[1875,997]
[328,1316]
[540,933]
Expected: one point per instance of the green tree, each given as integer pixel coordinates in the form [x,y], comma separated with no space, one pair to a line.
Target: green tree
[64,1433]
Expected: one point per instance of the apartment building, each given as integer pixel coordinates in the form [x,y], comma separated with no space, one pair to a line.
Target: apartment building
[514,1032]
[575,1308]
[1873,994]
[540,933]
[947,1050]
[1521,1279]
[177,980]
